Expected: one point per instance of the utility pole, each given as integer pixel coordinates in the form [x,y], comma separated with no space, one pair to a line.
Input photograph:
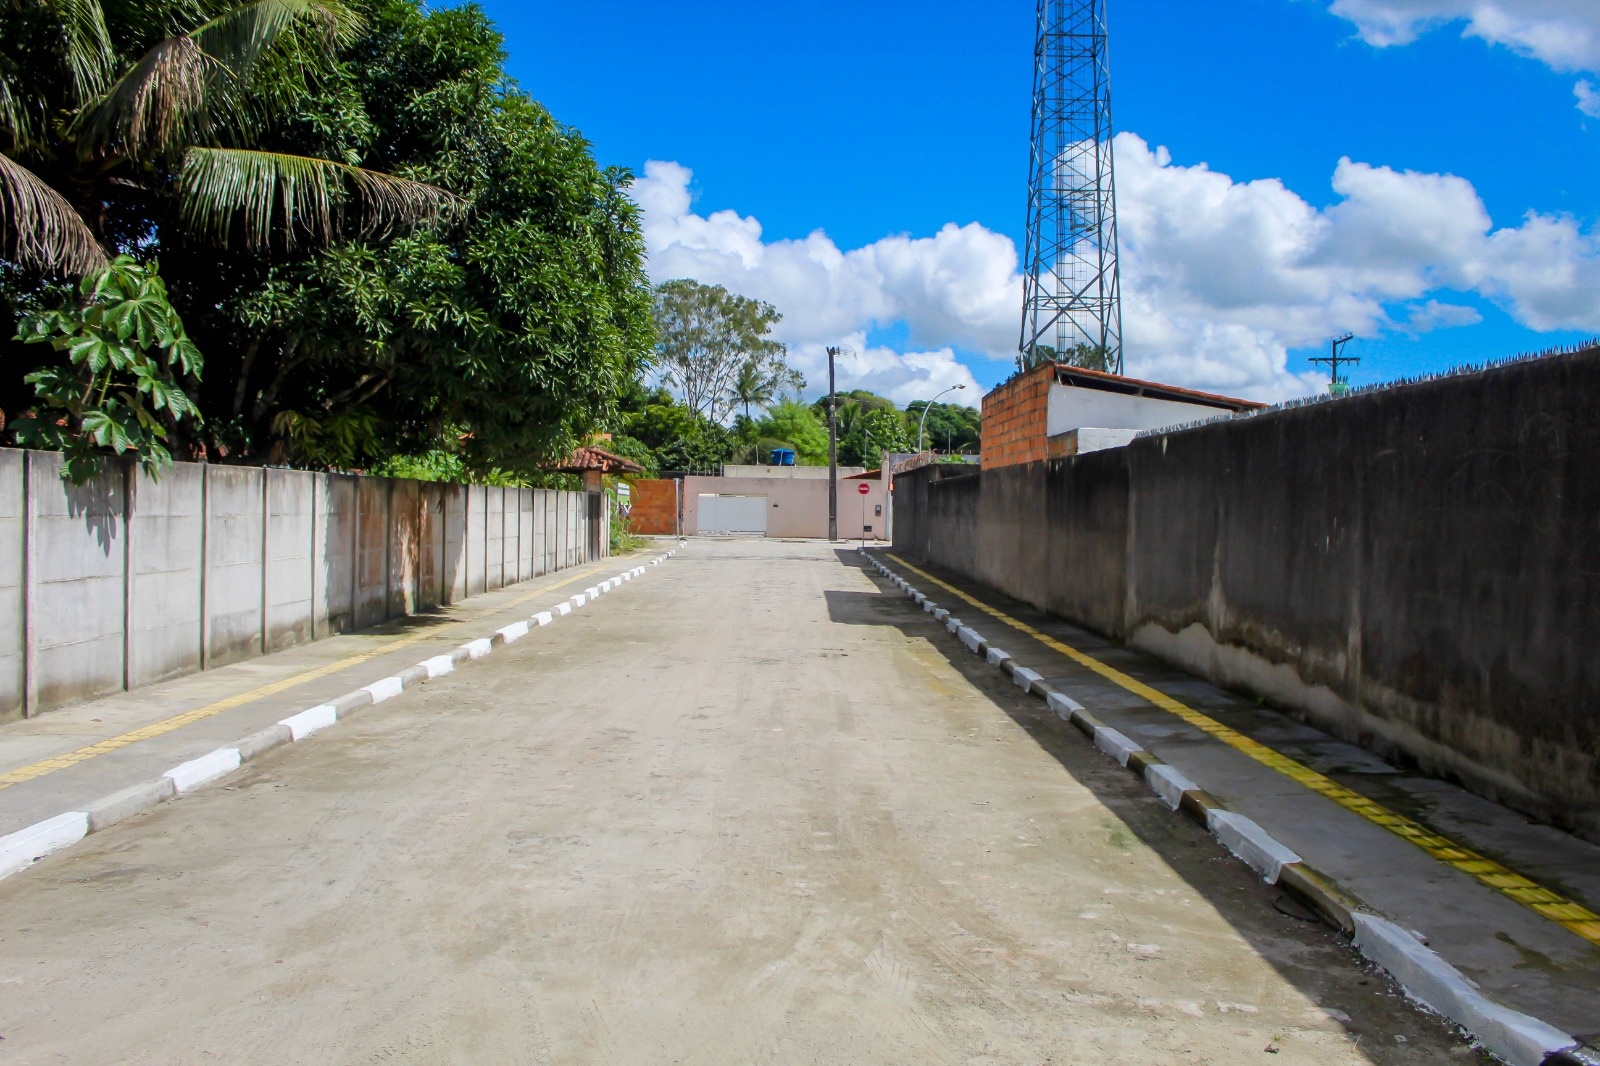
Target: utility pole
[833,452]
[1336,358]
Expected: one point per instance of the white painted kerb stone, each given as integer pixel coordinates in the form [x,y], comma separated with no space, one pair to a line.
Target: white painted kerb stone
[1063,706]
[1115,744]
[477,649]
[1429,979]
[311,720]
[544,618]
[1024,678]
[563,609]
[969,637]
[514,631]
[996,656]
[19,849]
[438,666]
[196,772]
[385,688]
[1251,843]
[1167,783]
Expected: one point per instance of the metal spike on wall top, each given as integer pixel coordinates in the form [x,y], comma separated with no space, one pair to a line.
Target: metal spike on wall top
[1072,303]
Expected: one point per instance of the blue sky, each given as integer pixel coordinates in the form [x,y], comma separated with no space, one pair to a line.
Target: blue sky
[1421,172]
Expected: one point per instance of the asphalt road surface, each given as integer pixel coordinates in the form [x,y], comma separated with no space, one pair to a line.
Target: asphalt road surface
[753,809]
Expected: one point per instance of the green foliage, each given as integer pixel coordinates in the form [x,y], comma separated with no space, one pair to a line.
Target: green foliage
[792,424]
[874,431]
[118,392]
[440,465]
[950,427]
[714,347]
[677,438]
[637,450]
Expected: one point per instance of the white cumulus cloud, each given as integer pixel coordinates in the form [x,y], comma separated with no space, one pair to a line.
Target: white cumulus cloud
[1564,34]
[1221,278]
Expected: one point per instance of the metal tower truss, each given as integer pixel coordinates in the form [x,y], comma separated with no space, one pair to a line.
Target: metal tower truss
[1072,300]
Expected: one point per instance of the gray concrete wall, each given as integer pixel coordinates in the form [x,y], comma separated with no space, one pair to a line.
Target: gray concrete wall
[128,581]
[1413,569]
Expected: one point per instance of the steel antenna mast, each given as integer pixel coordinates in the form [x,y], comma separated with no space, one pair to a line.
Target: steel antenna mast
[1072,301]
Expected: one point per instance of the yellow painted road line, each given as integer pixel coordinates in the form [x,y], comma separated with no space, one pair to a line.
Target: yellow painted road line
[156,729]
[1507,882]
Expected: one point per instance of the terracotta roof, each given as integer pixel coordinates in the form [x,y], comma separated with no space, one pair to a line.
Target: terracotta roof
[1099,379]
[591,458]
[865,475]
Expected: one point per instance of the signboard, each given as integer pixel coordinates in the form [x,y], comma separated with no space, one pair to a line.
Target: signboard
[864,488]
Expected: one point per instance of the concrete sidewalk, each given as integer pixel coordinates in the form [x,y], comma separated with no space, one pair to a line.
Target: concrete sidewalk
[139,735]
[1518,957]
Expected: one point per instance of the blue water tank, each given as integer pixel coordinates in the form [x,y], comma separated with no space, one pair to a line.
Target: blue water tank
[783,457]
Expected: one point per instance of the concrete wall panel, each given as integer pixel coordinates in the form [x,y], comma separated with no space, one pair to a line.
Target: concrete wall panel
[372,551]
[291,508]
[494,541]
[13,648]
[166,553]
[336,544]
[405,547]
[234,568]
[455,503]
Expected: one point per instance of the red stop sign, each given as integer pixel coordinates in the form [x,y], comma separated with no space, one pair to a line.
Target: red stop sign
[863,488]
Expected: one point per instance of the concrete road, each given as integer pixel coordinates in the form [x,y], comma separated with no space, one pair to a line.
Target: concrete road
[742,813]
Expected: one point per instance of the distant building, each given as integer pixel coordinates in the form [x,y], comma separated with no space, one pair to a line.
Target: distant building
[1056,410]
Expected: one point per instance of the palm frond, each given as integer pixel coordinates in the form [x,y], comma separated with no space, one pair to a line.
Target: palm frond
[39,229]
[86,43]
[168,99]
[161,103]
[268,194]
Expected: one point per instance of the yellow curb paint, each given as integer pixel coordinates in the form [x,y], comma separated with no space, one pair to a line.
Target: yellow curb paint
[156,729]
[1508,883]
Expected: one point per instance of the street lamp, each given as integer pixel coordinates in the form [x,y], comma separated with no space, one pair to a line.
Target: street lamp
[928,407]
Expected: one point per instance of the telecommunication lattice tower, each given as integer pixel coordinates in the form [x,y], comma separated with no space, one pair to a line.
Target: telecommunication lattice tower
[1072,301]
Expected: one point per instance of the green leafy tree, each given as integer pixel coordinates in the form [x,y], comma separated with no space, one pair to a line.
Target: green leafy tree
[708,337]
[125,349]
[950,427]
[753,384]
[874,431]
[795,425]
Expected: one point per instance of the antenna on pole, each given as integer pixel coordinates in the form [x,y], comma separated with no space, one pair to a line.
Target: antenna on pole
[1337,385]
[1072,298]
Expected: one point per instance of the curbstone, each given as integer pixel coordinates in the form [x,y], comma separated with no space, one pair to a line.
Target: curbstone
[311,720]
[995,656]
[593,592]
[1025,678]
[107,811]
[544,618]
[20,849]
[513,632]
[940,614]
[564,608]
[1430,980]
[579,600]
[1063,705]
[1166,782]
[262,741]
[385,688]
[968,636]
[438,666]
[351,701]
[412,676]
[1115,744]
[952,623]
[477,649]
[186,777]
[1251,843]
[1321,895]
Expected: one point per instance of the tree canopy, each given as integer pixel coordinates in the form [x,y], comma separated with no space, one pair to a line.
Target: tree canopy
[500,330]
[715,348]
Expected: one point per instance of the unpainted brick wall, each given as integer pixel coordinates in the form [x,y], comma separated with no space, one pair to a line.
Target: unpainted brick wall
[1016,419]
[655,508]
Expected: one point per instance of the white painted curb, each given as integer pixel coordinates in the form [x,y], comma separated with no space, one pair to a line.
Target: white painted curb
[1519,1039]
[477,649]
[1114,744]
[186,777]
[385,688]
[19,849]
[564,608]
[1025,678]
[968,636]
[544,618]
[1251,843]
[311,720]
[579,600]
[996,656]
[513,632]
[1166,782]
[438,666]
[1063,706]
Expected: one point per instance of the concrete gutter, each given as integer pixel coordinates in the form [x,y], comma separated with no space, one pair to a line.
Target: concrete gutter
[1421,973]
[23,848]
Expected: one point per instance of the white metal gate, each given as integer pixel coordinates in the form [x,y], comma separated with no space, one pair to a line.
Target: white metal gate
[733,514]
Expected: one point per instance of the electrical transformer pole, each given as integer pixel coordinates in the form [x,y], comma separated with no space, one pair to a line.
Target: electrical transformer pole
[1072,302]
[833,452]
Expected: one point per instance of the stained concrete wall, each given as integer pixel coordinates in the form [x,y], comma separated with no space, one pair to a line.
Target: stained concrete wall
[1413,569]
[126,581]
[796,507]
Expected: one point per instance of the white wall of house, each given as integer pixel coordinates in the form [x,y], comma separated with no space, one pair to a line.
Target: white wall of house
[1073,407]
[796,507]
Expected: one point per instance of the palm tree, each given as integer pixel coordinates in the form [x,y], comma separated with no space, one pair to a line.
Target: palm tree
[107,104]
[753,385]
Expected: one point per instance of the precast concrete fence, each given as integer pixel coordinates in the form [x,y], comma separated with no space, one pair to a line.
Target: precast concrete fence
[127,580]
[1416,569]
